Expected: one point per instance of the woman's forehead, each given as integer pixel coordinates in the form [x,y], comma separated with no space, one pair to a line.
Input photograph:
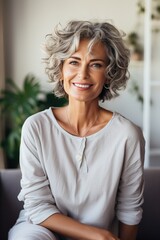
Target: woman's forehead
[92,48]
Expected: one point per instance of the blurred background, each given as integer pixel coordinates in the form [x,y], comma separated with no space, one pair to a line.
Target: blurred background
[24,85]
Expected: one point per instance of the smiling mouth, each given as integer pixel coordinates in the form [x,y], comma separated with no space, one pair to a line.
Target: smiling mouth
[84,86]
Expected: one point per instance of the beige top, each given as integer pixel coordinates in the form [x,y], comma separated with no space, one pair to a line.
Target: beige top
[90,179]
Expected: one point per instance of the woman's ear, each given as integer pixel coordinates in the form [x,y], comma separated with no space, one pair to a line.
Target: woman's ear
[61,82]
[61,70]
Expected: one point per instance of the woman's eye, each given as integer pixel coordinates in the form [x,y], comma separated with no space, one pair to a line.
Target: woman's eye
[96,65]
[73,63]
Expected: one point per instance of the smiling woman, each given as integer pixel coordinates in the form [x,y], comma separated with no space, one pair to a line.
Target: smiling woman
[82,165]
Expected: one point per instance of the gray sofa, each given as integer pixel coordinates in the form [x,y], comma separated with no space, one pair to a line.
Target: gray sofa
[149,228]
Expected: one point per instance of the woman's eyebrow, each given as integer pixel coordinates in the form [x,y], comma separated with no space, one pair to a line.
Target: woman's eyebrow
[92,60]
[98,59]
[77,58]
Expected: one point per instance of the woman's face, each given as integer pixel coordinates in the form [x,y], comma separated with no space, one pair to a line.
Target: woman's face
[83,73]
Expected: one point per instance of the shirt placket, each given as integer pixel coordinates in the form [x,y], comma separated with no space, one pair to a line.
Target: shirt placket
[80,157]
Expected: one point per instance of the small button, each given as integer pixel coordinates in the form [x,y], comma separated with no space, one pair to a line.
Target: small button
[79,157]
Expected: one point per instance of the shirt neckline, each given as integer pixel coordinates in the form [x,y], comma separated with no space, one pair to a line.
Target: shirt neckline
[101,131]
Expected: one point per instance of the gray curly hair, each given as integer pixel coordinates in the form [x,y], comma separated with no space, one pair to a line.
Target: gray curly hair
[61,44]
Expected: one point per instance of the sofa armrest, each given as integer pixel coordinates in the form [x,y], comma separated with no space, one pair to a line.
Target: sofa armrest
[9,204]
[149,227]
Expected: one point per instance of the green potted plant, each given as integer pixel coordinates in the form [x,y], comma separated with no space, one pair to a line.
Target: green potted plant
[155,8]
[135,46]
[18,104]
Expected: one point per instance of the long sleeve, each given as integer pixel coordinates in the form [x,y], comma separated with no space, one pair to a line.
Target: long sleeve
[39,203]
[130,194]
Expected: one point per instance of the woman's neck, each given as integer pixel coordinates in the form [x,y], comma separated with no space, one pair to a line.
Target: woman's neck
[82,117]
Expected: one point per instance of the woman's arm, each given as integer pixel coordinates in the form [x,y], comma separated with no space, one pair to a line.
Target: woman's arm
[127,232]
[71,228]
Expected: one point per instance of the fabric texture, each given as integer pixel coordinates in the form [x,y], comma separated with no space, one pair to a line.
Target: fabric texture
[81,177]
[28,231]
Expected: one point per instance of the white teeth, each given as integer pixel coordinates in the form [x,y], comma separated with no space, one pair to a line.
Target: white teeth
[82,85]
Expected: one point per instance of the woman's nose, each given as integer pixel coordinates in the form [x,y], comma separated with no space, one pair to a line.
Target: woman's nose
[83,73]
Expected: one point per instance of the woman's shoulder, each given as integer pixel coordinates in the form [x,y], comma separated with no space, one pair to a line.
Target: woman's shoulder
[37,118]
[126,126]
